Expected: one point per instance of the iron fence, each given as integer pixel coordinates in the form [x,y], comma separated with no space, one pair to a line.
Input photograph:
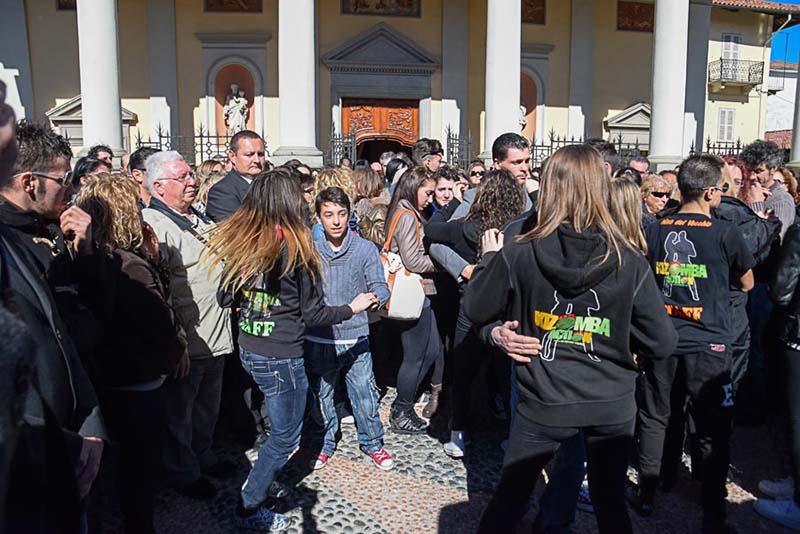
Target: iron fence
[541,151]
[459,150]
[195,148]
[736,71]
[341,146]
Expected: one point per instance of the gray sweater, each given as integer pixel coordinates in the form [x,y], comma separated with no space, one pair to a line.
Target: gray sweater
[353,269]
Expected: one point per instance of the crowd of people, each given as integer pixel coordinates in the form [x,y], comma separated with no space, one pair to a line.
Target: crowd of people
[611,315]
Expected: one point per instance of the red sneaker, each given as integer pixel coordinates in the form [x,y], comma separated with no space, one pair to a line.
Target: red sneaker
[382,459]
[320,461]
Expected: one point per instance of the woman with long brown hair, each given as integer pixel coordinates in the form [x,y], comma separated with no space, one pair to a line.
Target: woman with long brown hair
[498,201]
[139,342]
[419,339]
[270,272]
[576,283]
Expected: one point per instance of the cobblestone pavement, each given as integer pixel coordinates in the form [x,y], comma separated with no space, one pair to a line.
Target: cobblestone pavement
[429,492]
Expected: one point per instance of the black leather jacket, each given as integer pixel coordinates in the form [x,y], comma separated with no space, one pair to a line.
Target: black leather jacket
[783,287]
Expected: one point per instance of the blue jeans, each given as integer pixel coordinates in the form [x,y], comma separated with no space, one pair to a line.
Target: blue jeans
[557,506]
[285,386]
[324,363]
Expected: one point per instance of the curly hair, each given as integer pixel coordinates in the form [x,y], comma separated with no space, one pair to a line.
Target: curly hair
[499,200]
[116,220]
[335,177]
[760,151]
[39,148]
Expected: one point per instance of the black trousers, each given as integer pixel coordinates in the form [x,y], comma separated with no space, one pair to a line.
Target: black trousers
[421,346]
[135,420]
[700,384]
[792,370]
[530,448]
[468,354]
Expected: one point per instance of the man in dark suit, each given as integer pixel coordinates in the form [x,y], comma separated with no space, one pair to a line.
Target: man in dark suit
[247,158]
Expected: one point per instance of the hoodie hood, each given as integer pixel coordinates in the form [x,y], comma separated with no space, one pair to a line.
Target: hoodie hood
[573,261]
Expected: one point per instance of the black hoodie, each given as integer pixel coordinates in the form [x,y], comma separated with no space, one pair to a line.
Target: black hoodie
[589,314]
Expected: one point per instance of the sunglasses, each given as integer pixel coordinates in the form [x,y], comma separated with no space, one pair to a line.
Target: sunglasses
[60,180]
[723,188]
[477,173]
[660,194]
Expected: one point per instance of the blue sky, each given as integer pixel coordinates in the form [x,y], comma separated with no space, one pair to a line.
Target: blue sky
[786,44]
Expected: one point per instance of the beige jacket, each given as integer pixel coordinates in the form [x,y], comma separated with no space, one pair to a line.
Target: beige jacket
[407,240]
[193,290]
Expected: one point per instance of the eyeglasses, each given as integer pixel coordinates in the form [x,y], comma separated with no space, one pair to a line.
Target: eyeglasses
[660,194]
[477,173]
[723,188]
[182,179]
[60,180]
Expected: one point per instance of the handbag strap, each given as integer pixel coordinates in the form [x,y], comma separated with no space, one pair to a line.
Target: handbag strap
[393,227]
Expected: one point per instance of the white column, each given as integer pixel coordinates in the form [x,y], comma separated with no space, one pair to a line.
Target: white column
[795,163]
[297,72]
[670,44]
[455,46]
[581,54]
[696,71]
[15,60]
[99,65]
[163,66]
[503,45]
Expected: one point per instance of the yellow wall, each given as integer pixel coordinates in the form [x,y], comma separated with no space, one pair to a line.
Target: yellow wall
[750,112]
[335,29]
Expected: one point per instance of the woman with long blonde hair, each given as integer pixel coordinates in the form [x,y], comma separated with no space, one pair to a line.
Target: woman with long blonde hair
[626,209]
[139,342]
[579,285]
[270,272]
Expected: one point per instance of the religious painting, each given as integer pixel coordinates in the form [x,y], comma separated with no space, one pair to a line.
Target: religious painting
[533,11]
[389,8]
[67,5]
[635,16]
[234,6]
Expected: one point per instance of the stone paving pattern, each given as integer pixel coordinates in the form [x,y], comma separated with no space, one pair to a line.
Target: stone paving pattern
[427,492]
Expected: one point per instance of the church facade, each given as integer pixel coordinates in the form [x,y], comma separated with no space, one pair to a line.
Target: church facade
[309,75]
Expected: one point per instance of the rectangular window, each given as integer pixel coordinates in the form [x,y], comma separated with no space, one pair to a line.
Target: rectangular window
[725,124]
[730,45]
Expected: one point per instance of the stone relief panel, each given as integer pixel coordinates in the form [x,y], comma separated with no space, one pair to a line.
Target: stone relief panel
[391,8]
[533,11]
[635,16]
[234,6]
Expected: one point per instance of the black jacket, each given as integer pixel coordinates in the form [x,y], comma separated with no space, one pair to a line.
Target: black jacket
[783,286]
[275,311]
[461,236]
[590,316]
[761,235]
[226,196]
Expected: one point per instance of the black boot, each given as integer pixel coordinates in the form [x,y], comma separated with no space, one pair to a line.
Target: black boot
[404,420]
[645,498]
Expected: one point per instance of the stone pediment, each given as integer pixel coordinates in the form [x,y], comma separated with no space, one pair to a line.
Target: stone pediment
[70,111]
[381,49]
[636,116]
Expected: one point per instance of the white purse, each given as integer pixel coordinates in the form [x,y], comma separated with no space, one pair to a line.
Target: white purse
[406,293]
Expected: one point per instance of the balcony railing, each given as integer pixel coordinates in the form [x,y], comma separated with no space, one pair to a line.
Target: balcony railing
[736,72]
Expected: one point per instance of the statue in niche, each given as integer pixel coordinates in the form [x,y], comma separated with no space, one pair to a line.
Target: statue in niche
[523,117]
[235,110]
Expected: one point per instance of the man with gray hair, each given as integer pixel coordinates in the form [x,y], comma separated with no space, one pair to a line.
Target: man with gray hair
[192,395]
[384,160]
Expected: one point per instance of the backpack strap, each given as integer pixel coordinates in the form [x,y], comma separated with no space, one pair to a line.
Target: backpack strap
[387,245]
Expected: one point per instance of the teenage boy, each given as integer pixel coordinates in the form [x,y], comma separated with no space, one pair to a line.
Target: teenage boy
[695,259]
[350,265]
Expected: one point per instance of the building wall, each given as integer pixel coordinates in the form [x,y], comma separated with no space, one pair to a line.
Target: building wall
[780,106]
[750,111]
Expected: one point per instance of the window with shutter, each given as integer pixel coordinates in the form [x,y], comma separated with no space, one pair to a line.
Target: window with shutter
[730,45]
[725,124]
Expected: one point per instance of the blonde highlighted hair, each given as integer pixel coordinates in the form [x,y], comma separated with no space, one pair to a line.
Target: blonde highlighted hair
[575,190]
[270,222]
[626,209]
[335,177]
[112,203]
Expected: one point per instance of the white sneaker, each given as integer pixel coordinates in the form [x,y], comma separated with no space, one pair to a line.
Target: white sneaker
[784,512]
[779,490]
[584,498]
[348,420]
[455,447]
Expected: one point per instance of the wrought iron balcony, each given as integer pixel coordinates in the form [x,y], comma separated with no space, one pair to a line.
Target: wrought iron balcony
[739,74]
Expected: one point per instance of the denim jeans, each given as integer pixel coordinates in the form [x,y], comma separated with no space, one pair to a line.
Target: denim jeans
[324,363]
[191,409]
[557,505]
[285,386]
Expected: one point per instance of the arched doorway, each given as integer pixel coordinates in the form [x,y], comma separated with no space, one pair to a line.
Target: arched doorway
[380,125]
[227,75]
[528,98]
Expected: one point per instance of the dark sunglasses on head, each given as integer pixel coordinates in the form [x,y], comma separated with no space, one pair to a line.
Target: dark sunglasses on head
[477,173]
[660,194]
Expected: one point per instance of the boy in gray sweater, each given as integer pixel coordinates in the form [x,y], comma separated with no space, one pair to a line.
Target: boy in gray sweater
[350,265]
